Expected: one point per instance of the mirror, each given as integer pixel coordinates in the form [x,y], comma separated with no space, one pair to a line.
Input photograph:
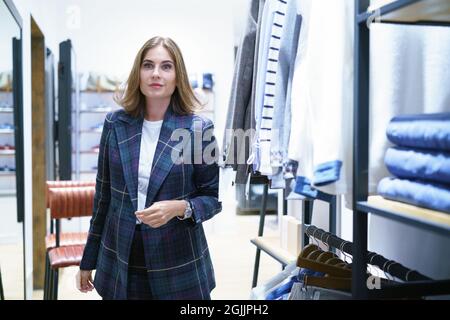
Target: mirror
[12,284]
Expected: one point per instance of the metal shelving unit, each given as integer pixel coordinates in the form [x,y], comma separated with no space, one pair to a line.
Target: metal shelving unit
[434,12]
[270,245]
[94,106]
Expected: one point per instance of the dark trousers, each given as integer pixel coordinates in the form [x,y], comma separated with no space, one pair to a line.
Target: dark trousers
[138,283]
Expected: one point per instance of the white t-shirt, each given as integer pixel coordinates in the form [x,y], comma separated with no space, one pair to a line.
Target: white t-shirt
[149,140]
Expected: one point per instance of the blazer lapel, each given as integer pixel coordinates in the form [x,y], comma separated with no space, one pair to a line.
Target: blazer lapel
[162,160]
[129,133]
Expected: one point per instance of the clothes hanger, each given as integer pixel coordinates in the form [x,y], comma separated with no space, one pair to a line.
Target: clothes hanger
[322,267]
[342,265]
[314,237]
[334,261]
[315,254]
[325,256]
[308,249]
[372,263]
[325,242]
[341,249]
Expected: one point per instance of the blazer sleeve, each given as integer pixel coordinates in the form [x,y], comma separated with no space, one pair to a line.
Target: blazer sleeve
[101,200]
[205,202]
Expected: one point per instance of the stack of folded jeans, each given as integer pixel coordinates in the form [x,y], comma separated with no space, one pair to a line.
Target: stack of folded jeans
[420,161]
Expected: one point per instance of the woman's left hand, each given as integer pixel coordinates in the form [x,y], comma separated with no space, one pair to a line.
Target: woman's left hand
[159,213]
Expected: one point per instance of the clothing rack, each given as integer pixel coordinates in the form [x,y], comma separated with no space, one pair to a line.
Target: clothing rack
[417,285]
[392,267]
[401,9]
[307,218]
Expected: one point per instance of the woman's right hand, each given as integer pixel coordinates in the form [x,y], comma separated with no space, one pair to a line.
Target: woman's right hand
[84,280]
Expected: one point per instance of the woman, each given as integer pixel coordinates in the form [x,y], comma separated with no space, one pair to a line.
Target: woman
[146,239]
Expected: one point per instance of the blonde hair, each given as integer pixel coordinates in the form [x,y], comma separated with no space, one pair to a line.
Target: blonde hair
[183,99]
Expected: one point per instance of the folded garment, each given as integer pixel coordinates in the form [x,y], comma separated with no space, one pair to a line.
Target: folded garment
[419,193]
[427,131]
[421,164]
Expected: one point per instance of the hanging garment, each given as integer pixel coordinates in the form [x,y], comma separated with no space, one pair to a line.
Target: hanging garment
[419,193]
[422,164]
[282,49]
[264,39]
[281,292]
[282,111]
[239,109]
[301,292]
[321,137]
[409,74]
[260,292]
[426,131]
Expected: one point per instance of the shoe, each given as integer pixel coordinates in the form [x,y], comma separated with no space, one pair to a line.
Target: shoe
[6,126]
[99,83]
[5,107]
[208,82]
[96,148]
[100,107]
[97,127]
[5,81]
[8,147]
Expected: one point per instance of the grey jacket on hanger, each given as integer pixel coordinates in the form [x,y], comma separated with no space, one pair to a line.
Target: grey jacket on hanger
[240,115]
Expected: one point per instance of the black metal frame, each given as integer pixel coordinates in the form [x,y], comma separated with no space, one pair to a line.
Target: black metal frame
[2,294]
[307,217]
[417,286]
[64,127]
[360,172]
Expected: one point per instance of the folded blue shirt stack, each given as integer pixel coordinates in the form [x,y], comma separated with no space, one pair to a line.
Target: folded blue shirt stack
[420,162]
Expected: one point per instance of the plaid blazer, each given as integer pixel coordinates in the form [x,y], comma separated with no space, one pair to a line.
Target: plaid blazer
[178,263]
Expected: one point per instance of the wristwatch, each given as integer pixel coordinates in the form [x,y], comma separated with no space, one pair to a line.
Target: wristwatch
[187,211]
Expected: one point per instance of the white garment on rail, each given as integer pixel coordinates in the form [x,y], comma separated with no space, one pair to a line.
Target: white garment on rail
[271,78]
[149,140]
[270,6]
[322,93]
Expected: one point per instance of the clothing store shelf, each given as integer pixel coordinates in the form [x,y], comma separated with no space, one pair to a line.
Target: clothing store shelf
[7,192]
[7,152]
[6,110]
[91,131]
[96,111]
[7,131]
[97,91]
[7,173]
[271,246]
[425,218]
[415,12]
[410,11]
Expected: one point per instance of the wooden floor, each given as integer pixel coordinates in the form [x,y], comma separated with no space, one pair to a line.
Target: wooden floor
[232,253]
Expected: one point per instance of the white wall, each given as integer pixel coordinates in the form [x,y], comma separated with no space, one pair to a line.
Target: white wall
[107,35]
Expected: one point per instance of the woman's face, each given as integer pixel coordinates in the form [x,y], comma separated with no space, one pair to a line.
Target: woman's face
[157,75]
